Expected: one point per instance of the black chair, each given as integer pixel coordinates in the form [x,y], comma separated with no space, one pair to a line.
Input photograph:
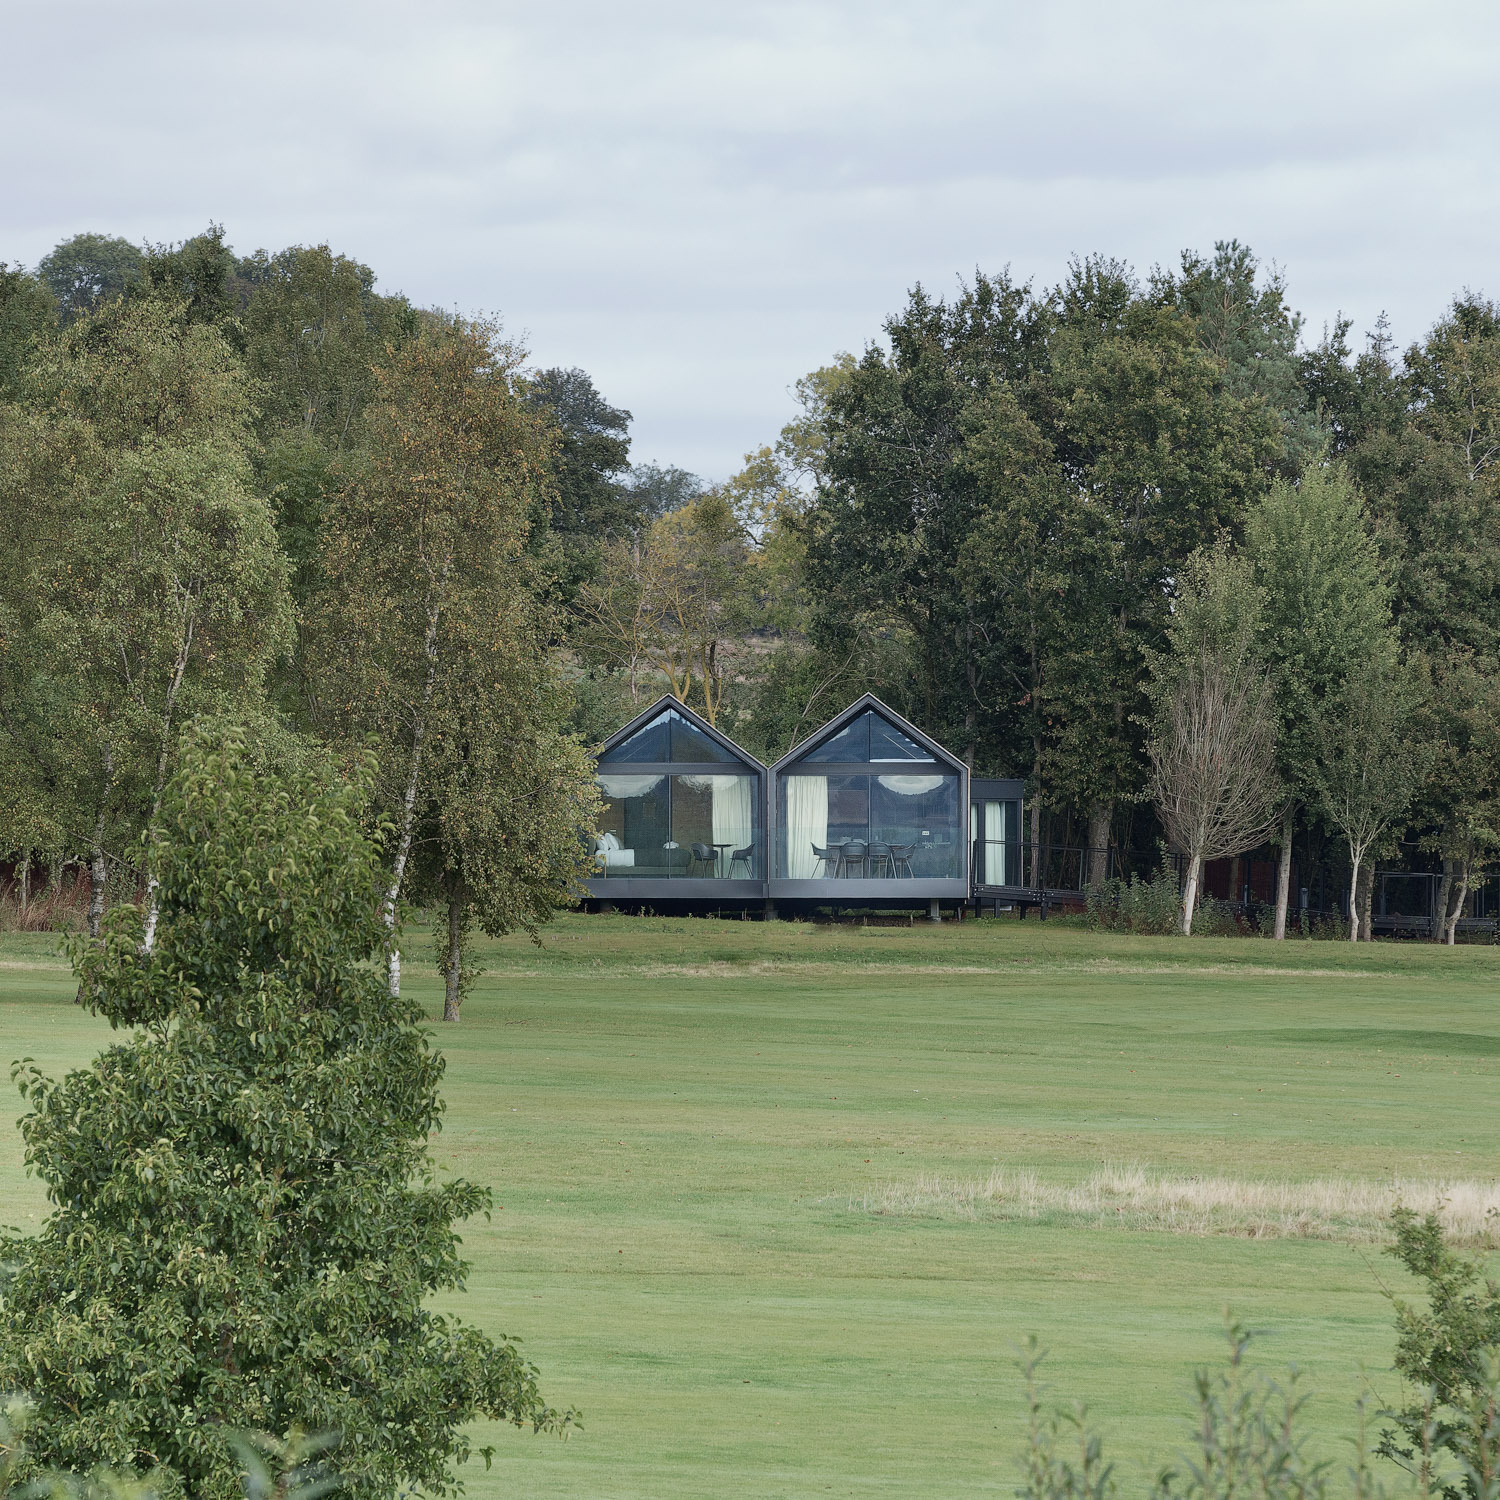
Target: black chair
[828,858]
[882,859]
[703,854]
[742,857]
[901,859]
[853,853]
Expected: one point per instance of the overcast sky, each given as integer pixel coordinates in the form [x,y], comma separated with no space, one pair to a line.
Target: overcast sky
[698,202]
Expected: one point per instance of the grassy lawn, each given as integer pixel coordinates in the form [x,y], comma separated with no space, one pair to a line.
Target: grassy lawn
[685,1121]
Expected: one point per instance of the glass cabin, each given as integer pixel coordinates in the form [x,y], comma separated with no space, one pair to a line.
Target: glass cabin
[683,812]
[870,810]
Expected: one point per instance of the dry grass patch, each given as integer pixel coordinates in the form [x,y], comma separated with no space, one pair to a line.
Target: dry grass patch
[1329,1208]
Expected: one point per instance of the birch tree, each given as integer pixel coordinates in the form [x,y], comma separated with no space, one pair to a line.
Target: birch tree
[144,584]
[424,538]
[1368,765]
[1213,738]
[510,797]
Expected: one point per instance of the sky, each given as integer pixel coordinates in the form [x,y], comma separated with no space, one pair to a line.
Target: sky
[699,202]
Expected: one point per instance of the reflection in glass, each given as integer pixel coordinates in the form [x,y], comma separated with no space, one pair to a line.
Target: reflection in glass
[871,737]
[994,829]
[669,737]
[650,824]
[910,825]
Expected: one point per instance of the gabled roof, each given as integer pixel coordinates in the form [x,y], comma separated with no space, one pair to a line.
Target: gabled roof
[665,702]
[855,709]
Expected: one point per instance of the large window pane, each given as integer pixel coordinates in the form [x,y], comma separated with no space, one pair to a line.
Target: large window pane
[871,737]
[650,742]
[917,816]
[635,826]
[888,743]
[993,829]
[689,743]
[850,745]
[650,824]
[920,816]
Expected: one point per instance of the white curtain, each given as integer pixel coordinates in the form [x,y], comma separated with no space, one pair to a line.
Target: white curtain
[806,823]
[733,824]
[994,847]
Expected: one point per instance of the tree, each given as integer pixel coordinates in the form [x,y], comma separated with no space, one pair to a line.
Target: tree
[1325,608]
[669,602]
[142,581]
[1367,767]
[28,311]
[510,796]
[1446,1355]
[422,568]
[1213,740]
[88,270]
[247,1229]
[315,331]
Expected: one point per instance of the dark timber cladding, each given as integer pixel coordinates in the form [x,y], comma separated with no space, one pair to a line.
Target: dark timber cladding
[869,811]
[684,813]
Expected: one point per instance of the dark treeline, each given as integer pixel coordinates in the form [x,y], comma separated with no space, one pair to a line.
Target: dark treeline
[1112,536]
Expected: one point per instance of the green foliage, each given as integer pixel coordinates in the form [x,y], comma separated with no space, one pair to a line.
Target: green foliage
[1152,906]
[246,1225]
[1446,1353]
[28,311]
[88,270]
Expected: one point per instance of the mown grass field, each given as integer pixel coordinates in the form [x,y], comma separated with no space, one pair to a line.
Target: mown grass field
[685,1120]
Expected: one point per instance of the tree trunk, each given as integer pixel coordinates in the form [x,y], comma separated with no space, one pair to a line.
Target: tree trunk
[1190,893]
[1440,903]
[25,884]
[97,869]
[1099,818]
[1036,841]
[409,800]
[1366,903]
[153,885]
[453,987]
[1283,875]
[1460,895]
[1354,898]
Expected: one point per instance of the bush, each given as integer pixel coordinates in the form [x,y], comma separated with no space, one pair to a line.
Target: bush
[1248,1433]
[247,1227]
[1144,906]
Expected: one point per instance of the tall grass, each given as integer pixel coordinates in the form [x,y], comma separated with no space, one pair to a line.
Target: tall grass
[62,907]
[1328,1208]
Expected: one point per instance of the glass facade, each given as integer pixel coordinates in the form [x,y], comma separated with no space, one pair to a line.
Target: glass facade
[995,832]
[875,825]
[678,805]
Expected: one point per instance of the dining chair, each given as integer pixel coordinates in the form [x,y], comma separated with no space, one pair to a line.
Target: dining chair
[882,858]
[901,859]
[742,857]
[703,855]
[828,858]
[853,853]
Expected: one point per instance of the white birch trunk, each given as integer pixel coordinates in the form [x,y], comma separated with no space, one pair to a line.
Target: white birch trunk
[1190,893]
[1356,860]
[153,885]
[1283,876]
[409,800]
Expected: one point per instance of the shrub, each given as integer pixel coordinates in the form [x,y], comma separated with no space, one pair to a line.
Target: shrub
[246,1225]
[1138,905]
